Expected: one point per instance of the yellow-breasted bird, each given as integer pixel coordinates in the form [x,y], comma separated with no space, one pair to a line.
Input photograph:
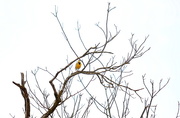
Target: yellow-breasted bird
[78,65]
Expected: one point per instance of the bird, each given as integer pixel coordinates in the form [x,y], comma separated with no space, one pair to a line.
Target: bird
[78,65]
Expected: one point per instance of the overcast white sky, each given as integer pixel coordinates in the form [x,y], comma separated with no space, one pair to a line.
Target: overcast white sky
[31,37]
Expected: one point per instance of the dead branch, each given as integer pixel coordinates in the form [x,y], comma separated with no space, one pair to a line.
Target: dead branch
[62,29]
[25,95]
[177,115]
[152,93]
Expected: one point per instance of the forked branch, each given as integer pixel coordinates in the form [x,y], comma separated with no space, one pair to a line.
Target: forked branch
[25,95]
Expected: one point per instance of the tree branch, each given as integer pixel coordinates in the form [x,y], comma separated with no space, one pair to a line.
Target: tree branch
[25,95]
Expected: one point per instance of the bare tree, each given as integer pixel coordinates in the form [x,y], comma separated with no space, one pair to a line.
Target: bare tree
[61,100]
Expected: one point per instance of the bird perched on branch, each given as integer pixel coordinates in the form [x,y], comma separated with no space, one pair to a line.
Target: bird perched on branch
[78,65]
